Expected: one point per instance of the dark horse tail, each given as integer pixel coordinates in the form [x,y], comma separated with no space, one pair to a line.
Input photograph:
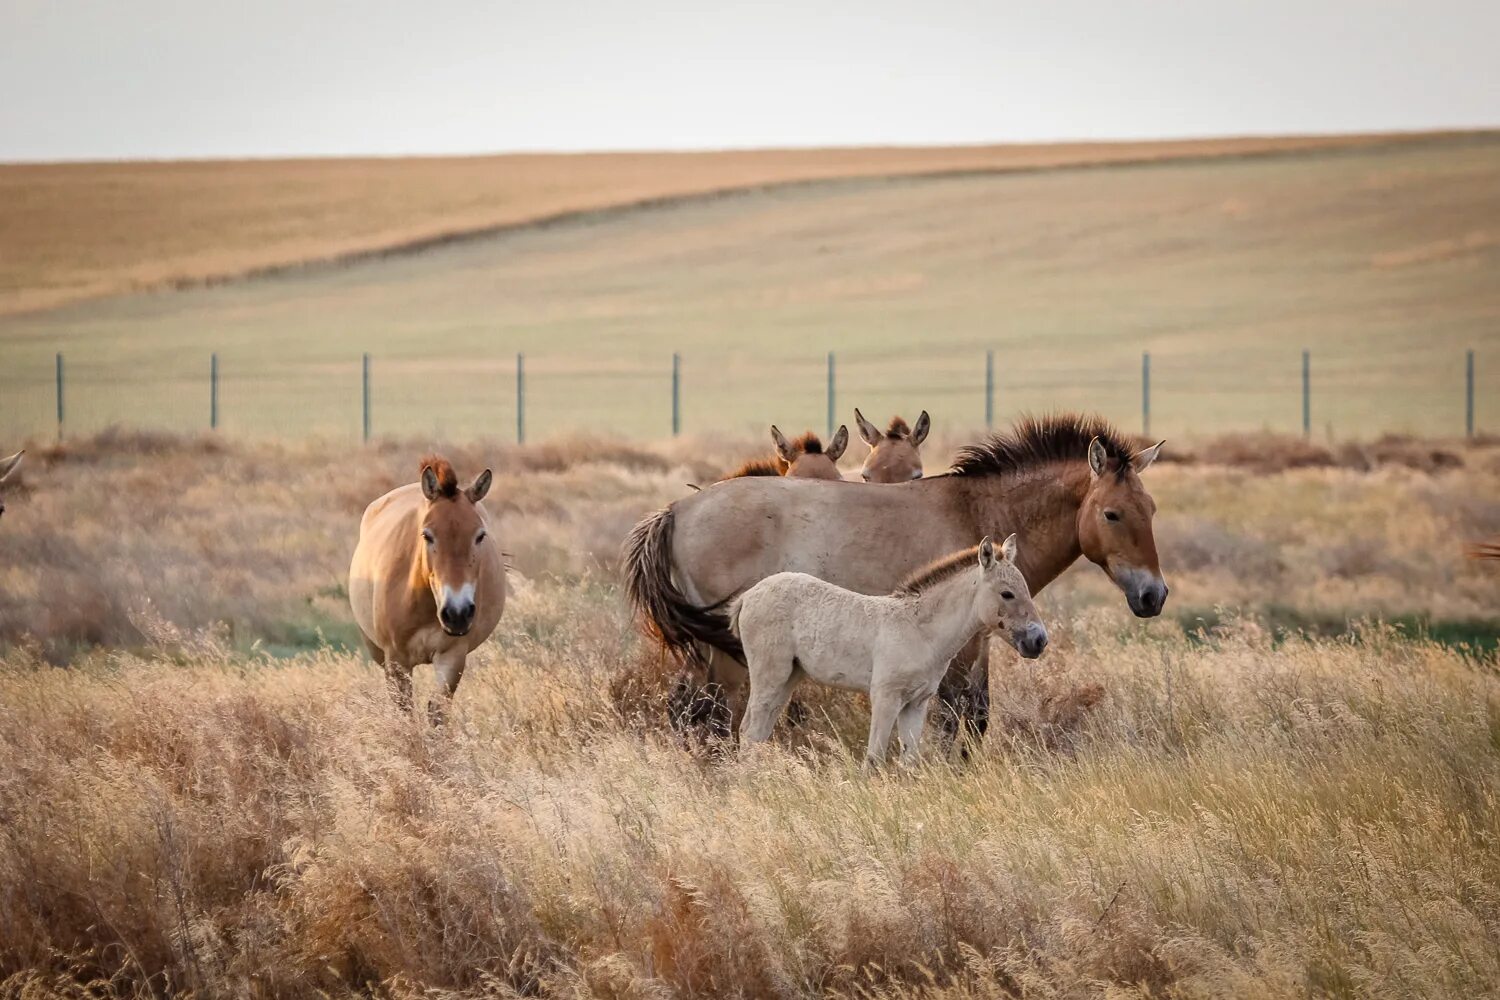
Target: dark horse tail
[665,614]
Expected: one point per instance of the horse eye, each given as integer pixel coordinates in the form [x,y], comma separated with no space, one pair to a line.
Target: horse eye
[479,538]
[427,536]
[1110,515]
[1007,595]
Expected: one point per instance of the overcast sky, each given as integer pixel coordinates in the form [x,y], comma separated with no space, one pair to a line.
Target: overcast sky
[91,79]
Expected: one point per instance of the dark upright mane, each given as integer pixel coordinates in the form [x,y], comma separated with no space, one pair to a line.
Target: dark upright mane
[447,479]
[1036,441]
[808,444]
[898,429]
[934,573]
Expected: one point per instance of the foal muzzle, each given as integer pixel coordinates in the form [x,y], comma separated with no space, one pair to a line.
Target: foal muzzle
[1030,640]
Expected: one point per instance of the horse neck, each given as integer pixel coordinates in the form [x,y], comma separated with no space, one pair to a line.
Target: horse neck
[1041,505]
[946,612]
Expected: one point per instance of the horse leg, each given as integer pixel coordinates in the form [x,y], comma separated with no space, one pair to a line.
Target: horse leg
[449,667]
[377,653]
[964,695]
[909,724]
[883,710]
[398,681]
[771,683]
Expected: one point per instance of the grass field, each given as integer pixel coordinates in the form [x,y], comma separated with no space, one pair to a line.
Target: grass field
[77,231]
[215,797]
[1381,260]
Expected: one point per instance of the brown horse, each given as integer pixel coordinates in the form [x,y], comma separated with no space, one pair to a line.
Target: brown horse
[893,455]
[1069,482]
[801,458]
[7,467]
[427,584]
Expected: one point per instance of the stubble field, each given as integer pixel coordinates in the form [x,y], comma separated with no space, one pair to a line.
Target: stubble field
[202,791]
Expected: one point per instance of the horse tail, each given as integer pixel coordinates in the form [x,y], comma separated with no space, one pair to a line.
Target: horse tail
[665,614]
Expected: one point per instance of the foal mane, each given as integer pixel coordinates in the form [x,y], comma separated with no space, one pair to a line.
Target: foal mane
[935,572]
[808,444]
[1037,441]
[447,479]
[898,429]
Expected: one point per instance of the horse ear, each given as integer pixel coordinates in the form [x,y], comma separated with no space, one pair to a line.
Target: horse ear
[987,552]
[8,465]
[783,446]
[481,486]
[867,430]
[835,449]
[1098,457]
[429,483]
[919,432]
[1142,459]
[1008,547]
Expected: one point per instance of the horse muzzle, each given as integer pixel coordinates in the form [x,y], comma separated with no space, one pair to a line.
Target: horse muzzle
[1144,592]
[1029,641]
[456,613]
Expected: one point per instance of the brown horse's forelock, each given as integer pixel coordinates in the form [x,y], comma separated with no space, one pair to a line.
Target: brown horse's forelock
[898,429]
[1036,441]
[808,444]
[447,479]
[935,572]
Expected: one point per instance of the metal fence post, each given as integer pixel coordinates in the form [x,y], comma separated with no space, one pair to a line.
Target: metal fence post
[366,396]
[1469,393]
[830,394]
[1306,394]
[59,395]
[989,390]
[676,393]
[520,398]
[1146,393]
[213,391]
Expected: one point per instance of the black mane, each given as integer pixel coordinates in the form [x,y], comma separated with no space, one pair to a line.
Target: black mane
[1036,441]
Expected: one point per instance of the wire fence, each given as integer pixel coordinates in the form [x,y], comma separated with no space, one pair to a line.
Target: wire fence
[533,397]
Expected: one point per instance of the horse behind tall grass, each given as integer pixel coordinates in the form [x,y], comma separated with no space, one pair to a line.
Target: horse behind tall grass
[803,457]
[896,648]
[427,584]
[7,467]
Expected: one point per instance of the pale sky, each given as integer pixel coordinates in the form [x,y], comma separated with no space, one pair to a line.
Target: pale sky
[106,79]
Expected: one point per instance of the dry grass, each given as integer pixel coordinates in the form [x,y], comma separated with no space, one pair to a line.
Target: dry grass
[1242,814]
[76,231]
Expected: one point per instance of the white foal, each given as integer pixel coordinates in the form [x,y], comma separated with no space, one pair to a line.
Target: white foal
[896,647]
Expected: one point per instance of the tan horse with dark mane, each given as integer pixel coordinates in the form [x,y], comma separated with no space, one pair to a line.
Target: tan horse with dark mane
[1069,484]
[893,454]
[7,467]
[801,458]
[427,584]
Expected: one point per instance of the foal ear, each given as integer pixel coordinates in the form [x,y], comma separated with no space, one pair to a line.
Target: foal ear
[919,432]
[1008,547]
[867,430]
[783,446]
[430,483]
[8,465]
[987,553]
[481,486]
[835,449]
[1142,459]
[1098,457]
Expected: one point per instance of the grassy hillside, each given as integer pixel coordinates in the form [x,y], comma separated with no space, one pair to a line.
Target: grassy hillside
[1381,261]
[75,231]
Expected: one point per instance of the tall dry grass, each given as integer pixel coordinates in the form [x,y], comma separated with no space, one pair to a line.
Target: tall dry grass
[1237,813]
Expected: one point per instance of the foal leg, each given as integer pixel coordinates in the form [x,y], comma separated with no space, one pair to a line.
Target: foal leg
[909,725]
[771,686]
[449,667]
[883,710]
